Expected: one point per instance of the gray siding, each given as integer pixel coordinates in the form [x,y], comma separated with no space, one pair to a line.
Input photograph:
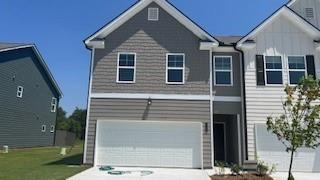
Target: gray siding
[234,90]
[21,119]
[151,40]
[160,110]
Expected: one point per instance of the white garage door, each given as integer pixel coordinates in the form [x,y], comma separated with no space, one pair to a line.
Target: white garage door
[153,144]
[272,151]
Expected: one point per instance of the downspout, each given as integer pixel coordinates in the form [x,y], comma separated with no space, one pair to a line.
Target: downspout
[243,100]
[211,109]
[88,108]
[55,124]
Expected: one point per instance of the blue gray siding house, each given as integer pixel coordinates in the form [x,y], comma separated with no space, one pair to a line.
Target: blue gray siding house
[29,98]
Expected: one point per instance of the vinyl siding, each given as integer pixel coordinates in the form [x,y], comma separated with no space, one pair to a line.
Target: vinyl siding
[281,38]
[21,119]
[160,110]
[300,5]
[151,40]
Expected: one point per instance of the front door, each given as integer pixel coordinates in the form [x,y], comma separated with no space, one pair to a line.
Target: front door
[219,142]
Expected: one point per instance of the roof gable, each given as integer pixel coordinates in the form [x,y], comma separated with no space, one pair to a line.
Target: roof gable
[139,6]
[290,15]
[9,47]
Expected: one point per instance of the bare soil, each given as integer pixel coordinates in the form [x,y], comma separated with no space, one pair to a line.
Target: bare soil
[241,177]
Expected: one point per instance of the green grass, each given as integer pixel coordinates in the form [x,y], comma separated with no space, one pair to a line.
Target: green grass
[41,163]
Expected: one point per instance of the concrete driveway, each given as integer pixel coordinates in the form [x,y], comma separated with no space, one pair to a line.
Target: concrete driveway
[158,174]
[297,176]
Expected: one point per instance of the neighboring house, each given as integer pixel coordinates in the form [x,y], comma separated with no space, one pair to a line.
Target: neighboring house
[165,93]
[29,97]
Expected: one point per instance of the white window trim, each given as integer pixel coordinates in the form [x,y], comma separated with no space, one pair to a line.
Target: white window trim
[175,68]
[280,70]
[215,70]
[149,10]
[52,128]
[127,67]
[21,92]
[43,128]
[297,70]
[53,104]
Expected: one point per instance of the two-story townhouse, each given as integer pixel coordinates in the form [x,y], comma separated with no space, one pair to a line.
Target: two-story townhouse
[29,97]
[155,88]
[165,93]
[281,50]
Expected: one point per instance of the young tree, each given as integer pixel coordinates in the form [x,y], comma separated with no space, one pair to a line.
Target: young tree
[299,125]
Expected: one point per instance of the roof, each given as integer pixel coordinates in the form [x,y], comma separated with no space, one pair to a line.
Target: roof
[140,5]
[4,45]
[14,46]
[228,40]
[291,2]
[290,14]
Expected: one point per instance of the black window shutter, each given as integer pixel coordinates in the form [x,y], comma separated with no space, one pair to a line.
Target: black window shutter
[310,66]
[260,70]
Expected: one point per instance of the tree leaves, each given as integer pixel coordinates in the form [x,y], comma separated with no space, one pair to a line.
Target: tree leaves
[299,125]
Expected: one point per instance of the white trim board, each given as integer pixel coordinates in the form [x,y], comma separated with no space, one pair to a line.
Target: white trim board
[139,6]
[165,97]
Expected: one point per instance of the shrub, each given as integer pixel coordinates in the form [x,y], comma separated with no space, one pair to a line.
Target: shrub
[236,169]
[264,169]
[221,167]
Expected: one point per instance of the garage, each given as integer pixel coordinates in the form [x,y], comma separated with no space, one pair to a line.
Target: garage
[272,151]
[151,144]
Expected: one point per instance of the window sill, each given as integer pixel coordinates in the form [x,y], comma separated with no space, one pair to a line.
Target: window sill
[174,83]
[125,82]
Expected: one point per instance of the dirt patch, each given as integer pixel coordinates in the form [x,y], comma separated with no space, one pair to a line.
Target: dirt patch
[241,177]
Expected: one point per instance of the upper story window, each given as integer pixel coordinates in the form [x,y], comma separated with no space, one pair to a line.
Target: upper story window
[53,104]
[297,68]
[126,68]
[223,75]
[52,128]
[43,128]
[153,14]
[309,13]
[19,91]
[273,71]
[175,68]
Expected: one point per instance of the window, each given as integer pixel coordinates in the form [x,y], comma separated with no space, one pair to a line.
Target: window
[309,13]
[273,66]
[153,14]
[126,67]
[19,91]
[223,70]
[175,68]
[52,129]
[297,68]
[53,104]
[43,128]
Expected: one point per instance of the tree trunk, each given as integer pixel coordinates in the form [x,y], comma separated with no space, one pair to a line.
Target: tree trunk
[290,176]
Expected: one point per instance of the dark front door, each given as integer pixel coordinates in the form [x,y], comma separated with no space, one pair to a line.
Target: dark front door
[219,142]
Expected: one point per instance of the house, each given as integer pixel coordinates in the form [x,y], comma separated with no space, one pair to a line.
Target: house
[29,98]
[164,92]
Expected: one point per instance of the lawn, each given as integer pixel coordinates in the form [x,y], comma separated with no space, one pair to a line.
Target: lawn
[41,163]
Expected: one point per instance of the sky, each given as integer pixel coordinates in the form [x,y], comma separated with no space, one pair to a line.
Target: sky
[58,27]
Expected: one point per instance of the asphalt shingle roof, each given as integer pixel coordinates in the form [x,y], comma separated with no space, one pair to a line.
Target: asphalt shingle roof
[228,40]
